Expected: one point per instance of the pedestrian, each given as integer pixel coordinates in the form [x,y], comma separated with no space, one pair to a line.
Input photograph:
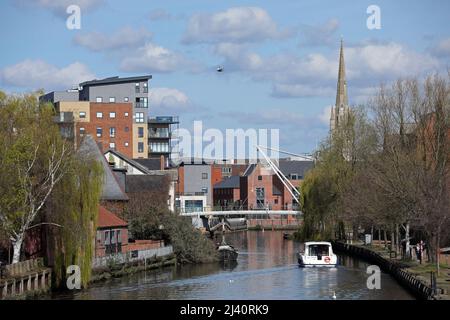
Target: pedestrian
[418,254]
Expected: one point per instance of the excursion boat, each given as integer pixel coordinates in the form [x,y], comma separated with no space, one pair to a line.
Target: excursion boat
[317,254]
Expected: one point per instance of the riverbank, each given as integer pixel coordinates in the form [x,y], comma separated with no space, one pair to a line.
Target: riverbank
[407,273]
[116,271]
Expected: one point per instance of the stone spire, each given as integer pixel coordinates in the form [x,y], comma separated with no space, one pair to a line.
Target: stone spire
[341,109]
[341,94]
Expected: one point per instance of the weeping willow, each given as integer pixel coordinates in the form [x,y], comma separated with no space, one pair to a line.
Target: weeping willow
[74,205]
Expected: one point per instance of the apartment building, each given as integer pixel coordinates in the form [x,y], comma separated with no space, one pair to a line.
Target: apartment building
[101,95]
[132,90]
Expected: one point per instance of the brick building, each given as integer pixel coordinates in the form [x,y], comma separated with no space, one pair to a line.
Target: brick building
[111,126]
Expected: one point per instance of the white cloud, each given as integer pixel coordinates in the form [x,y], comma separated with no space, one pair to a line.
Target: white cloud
[59,7]
[300,90]
[442,49]
[237,24]
[35,74]
[168,98]
[323,34]
[293,75]
[325,115]
[154,58]
[126,37]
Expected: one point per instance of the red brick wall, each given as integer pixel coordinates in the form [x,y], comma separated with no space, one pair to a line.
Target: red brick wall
[120,122]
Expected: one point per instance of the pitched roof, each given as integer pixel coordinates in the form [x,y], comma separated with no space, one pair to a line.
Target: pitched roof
[131,162]
[232,182]
[289,167]
[141,183]
[249,170]
[150,163]
[107,219]
[111,189]
[115,80]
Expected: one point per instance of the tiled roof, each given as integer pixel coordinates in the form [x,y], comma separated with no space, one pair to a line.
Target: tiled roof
[289,167]
[150,163]
[111,189]
[232,182]
[107,219]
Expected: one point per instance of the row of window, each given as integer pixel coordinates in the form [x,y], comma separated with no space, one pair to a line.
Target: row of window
[112,115]
[140,102]
[138,87]
[112,131]
[139,116]
[159,147]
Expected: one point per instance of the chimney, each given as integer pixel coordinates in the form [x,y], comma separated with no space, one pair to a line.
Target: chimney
[162,165]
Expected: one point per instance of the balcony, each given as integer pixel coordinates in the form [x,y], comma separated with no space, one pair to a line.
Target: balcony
[164,120]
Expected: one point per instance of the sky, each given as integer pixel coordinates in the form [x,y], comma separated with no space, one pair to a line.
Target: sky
[280,58]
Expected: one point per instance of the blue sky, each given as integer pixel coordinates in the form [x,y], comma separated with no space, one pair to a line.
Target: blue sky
[279,57]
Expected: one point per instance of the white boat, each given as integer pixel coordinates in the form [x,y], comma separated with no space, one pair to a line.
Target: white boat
[317,254]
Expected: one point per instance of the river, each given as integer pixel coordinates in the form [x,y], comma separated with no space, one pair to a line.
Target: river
[266,269]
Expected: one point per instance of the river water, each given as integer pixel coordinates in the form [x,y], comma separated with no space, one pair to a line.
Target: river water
[266,269]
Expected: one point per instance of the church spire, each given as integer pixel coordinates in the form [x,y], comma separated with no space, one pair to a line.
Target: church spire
[341,94]
[340,111]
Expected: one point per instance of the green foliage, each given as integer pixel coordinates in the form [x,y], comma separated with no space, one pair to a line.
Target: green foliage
[74,205]
[149,218]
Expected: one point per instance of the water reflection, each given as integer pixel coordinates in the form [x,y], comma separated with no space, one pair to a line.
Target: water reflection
[266,269]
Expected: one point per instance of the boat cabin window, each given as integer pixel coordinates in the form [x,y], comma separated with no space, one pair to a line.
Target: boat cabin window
[318,250]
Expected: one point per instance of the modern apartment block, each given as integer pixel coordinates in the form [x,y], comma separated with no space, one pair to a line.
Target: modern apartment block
[120,95]
[160,137]
[132,90]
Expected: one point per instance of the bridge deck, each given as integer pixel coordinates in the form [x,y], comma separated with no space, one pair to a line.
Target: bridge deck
[241,212]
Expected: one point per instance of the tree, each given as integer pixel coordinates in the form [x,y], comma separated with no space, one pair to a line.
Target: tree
[32,159]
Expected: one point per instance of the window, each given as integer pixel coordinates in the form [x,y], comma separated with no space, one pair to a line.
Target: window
[139,117]
[276,201]
[205,190]
[126,99]
[99,99]
[112,115]
[126,114]
[107,241]
[226,170]
[126,144]
[145,87]
[119,237]
[159,132]
[136,86]
[112,132]
[82,131]
[99,115]
[140,132]
[159,147]
[82,114]
[99,132]
[259,178]
[294,176]
[204,175]
[142,102]
[140,147]
[112,99]
[112,145]
[127,129]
